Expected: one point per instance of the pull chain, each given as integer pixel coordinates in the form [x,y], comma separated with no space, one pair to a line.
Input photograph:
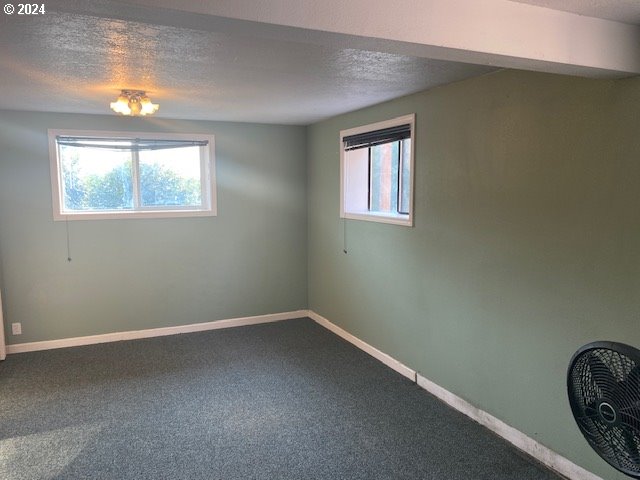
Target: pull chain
[344,235]
[66,221]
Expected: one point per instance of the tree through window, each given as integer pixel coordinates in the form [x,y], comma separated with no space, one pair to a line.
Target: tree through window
[106,176]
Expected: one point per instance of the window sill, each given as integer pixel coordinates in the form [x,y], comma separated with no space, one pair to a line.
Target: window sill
[113,215]
[404,220]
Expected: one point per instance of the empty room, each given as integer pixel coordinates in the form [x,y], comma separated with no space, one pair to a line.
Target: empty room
[303,239]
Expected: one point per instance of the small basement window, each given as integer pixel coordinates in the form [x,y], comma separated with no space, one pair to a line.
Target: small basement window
[131,175]
[376,163]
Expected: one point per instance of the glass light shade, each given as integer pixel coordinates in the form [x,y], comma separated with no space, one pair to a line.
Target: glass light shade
[121,105]
[147,107]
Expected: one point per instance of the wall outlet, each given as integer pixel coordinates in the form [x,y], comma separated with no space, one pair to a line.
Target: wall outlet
[16,328]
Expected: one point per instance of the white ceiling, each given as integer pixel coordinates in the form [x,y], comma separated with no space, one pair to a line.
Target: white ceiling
[201,64]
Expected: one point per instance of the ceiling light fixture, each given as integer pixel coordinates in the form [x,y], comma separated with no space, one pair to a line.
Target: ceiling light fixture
[134,102]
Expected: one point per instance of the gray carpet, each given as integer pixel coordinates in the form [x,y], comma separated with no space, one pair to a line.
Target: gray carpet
[286,400]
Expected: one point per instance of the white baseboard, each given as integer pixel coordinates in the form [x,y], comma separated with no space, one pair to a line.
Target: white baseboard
[388,360]
[520,440]
[153,332]
[525,443]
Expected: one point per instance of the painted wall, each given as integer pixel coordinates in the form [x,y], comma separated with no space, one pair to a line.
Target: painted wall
[526,242]
[134,274]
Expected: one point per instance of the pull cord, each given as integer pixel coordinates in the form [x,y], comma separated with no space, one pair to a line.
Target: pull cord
[344,236]
[66,221]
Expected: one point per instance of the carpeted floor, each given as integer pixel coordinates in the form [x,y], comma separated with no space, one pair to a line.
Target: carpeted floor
[286,400]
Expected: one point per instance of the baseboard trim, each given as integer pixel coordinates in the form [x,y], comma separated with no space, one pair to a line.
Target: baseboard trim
[153,332]
[520,440]
[388,360]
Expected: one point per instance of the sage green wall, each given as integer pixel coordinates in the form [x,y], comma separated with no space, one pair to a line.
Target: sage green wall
[526,242]
[134,274]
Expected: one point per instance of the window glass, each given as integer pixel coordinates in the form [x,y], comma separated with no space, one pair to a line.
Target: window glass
[106,175]
[96,179]
[405,177]
[384,177]
[170,177]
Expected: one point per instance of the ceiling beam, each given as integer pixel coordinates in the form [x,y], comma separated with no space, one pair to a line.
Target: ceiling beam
[498,33]
[489,32]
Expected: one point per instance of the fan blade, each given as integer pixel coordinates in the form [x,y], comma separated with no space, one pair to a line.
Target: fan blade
[601,375]
[628,397]
[631,442]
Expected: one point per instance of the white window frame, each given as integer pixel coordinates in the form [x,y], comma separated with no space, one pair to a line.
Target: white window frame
[345,188]
[208,178]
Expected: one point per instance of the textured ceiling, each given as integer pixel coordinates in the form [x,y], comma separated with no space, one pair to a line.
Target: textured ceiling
[625,11]
[77,57]
[67,62]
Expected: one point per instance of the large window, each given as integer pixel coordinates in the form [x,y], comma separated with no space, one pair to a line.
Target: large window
[377,171]
[124,175]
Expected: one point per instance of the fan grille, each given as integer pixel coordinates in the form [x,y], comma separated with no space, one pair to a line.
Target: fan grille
[604,392]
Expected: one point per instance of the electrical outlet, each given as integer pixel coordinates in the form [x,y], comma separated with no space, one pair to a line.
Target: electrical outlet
[16,328]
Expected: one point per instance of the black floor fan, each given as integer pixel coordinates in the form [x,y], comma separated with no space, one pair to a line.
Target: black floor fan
[603,382]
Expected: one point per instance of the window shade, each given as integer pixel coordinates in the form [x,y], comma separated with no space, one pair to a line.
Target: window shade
[128,144]
[377,137]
